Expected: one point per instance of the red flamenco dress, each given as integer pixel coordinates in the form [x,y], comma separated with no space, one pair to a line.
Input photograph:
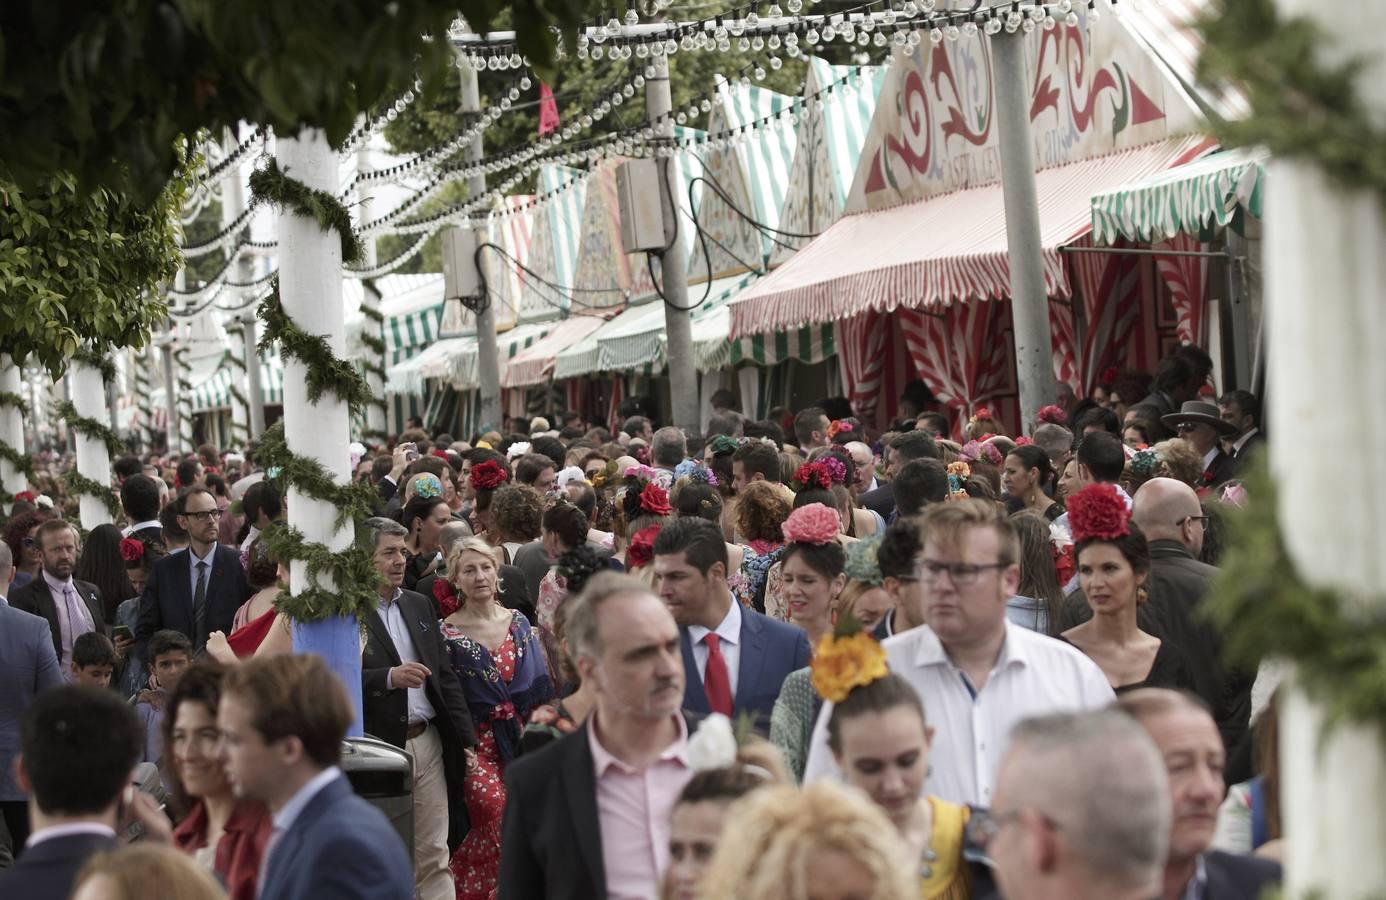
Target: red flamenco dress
[501,689]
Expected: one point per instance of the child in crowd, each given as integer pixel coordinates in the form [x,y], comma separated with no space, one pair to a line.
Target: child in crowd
[93,659]
[169,654]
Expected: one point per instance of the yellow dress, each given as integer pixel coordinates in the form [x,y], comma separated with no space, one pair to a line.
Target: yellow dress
[946,877]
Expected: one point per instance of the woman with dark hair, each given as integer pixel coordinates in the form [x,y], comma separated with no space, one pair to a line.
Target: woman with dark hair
[1039,596]
[140,557]
[761,510]
[101,564]
[1113,560]
[21,535]
[811,570]
[224,835]
[880,740]
[565,530]
[424,518]
[517,515]
[718,458]
[258,628]
[1029,479]
[1136,434]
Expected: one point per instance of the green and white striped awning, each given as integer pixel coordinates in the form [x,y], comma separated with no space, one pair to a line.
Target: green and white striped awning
[1195,199]
[810,344]
[454,360]
[213,375]
[643,341]
[554,242]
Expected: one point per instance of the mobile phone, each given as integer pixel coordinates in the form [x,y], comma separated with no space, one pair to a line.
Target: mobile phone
[122,631]
[411,452]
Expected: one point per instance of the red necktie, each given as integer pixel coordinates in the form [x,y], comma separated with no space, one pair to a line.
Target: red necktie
[716,683]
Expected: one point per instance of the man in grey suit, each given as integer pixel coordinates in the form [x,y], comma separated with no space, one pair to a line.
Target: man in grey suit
[28,665]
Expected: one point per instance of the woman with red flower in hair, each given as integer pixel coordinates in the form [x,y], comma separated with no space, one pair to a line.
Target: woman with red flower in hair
[642,508]
[1113,566]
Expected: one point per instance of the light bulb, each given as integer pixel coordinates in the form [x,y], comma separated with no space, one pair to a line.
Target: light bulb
[951,32]
[515,61]
[1049,23]
[993,26]
[597,53]
[970,28]
[681,118]
[1028,26]
[628,91]
[613,26]
[759,73]
[632,17]
[1071,20]
[642,51]
[525,83]
[757,43]
[724,45]
[774,11]
[752,20]
[638,81]
[775,63]
[936,35]
[744,45]
[811,36]
[794,5]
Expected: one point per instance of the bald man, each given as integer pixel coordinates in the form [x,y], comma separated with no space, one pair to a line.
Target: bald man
[1082,811]
[1170,515]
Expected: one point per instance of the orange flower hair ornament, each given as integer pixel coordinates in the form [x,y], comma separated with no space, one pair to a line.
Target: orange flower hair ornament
[1098,513]
[848,658]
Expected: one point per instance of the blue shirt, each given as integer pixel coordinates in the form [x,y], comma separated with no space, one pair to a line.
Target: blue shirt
[192,569]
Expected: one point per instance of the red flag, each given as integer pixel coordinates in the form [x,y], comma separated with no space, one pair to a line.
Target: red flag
[548,110]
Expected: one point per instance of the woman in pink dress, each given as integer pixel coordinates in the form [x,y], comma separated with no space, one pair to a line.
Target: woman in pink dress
[257,628]
[501,665]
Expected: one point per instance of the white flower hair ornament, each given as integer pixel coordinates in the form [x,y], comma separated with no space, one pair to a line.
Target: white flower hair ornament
[516,451]
[570,475]
[713,745]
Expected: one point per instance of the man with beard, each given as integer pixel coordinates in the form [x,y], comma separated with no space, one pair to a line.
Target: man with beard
[1187,737]
[588,816]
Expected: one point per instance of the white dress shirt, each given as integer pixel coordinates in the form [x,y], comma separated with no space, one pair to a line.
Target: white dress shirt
[420,710]
[730,633]
[1033,676]
[141,526]
[96,829]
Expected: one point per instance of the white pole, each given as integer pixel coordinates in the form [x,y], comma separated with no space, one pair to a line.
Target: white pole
[11,426]
[93,460]
[185,410]
[1325,243]
[487,354]
[256,409]
[370,302]
[310,288]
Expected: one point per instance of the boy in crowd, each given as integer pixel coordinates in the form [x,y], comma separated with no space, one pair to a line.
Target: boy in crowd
[93,660]
[170,653]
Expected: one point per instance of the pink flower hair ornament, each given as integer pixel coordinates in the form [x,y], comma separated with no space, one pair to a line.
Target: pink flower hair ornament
[812,524]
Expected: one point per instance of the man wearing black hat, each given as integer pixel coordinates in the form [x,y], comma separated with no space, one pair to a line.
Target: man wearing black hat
[1201,425]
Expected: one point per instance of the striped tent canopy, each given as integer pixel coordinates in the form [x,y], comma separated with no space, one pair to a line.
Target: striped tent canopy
[643,342]
[534,364]
[605,276]
[809,344]
[836,115]
[686,167]
[753,170]
[212,376]
[1167,29]
[1193,199]
[406,377]
[554,241]
[453,361]
[584,357]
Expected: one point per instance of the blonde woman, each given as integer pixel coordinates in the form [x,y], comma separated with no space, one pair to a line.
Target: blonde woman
[145,871]
[501,665]
[826,842]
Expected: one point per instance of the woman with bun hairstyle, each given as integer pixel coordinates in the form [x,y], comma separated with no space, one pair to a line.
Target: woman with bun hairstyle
[881,739]
[1113,561]
[564,531]
[1029,479]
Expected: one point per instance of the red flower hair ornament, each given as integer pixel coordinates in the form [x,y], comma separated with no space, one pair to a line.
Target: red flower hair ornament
[131,550]
[640,553]
[1097,513]
[1053,415]
[446,595]
[488,475]
[655,500]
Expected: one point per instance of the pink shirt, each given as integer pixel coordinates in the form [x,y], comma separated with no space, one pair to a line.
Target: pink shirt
[633,809]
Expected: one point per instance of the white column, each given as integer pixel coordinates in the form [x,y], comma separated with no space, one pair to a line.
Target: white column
[240,414]
[11,425]
[252,376]
[310,287]
[93,460]
[370,302]
[171,425]
[1324,244]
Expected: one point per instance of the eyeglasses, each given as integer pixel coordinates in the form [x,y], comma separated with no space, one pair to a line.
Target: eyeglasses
[1184,427]
[1202,520]
[984,827]
[962,574]
[204,515]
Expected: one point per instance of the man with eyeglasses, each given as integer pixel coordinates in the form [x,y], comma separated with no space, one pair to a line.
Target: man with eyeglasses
[198,591]
[977,674]
[1082,811]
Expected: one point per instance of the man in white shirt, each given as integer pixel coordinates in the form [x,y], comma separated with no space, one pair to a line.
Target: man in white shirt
[78,750]
[283,719]
[977,674]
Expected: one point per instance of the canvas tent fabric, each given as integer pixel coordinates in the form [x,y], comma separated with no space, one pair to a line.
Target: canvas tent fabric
[535,364]
[1192,199]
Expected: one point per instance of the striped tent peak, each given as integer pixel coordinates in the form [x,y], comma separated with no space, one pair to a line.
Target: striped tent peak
[834,120]
[687,166]
[1167,28]
[605,275]
[767,155]
[555,237]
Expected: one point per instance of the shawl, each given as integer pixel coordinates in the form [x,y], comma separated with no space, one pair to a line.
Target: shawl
[490,699]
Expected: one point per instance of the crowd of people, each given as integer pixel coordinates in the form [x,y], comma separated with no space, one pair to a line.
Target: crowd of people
[788,658]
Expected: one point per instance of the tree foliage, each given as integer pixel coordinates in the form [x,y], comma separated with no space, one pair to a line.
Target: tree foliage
[82,266]
[106,90]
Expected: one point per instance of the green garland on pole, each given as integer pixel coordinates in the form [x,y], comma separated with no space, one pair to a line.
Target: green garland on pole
[22,462]
[97,361]
[370,312]
[236,393]
[92,428]
[1301,108]
[272,186]
[325,371]
[77,483]
[375,344]
[13,401]
[352,570]
[1264,608]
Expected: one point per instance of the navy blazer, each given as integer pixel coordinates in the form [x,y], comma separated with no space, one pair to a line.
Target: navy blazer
[341,847]
[36,598]
[769,650]
[1233,877]
[46,870]
[168,597]
[28,664]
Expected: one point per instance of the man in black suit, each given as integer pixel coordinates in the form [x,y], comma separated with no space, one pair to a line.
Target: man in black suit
[199,591]
[79,748]
[1242,410]
[412,698]
[71,607]
[1186,736]
[139,497]
[1200,423]
[587,817]
[904,448]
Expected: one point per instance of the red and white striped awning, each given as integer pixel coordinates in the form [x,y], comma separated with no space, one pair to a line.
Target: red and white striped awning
[534,364]
[946,248]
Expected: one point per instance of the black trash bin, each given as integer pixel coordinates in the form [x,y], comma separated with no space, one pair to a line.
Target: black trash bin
[383,775]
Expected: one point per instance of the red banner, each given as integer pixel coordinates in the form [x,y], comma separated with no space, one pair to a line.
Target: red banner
[548,110]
